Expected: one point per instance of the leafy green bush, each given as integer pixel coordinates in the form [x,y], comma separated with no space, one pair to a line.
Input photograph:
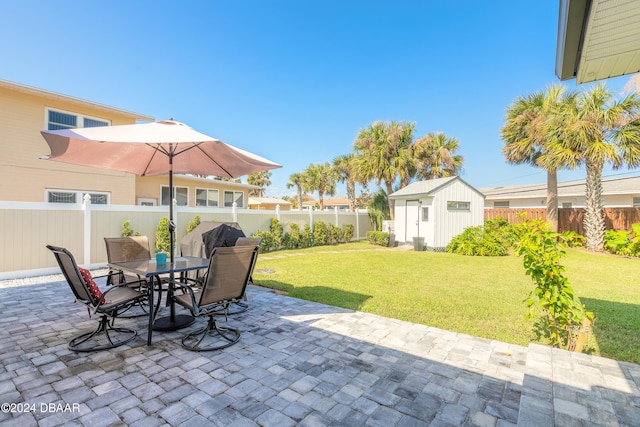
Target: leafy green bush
[127,231]
[293,238]
[193,223]
[380,238]
[320,234]
[573,239]
[495,238]
[276,229]
[307,237]
[563,314]
[267,240]
[335,234]
[623,242]
[348,233]
[163,239]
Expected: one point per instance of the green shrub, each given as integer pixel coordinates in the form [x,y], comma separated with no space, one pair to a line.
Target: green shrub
[542,251]
[267,240]
[335,234]
[307,237]
[380,238]
[623,242]
[276,229]
[193,223]
[320,234]
[573,239]
[293,238]
[163,239]
[478,241]
[348,233]
[127,231]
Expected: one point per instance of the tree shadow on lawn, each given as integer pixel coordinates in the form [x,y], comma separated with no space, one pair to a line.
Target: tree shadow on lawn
[321,294]
[617,328]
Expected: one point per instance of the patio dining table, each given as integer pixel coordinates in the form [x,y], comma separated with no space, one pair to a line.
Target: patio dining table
[152,271]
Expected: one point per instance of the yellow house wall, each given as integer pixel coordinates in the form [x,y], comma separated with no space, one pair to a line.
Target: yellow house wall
[24,176]
[149,187]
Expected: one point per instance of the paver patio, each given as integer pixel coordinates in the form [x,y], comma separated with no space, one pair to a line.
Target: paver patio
[297,363]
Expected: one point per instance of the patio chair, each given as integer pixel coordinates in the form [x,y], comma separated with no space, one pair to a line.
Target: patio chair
[242,306]
[125,249]
[108,305]
[224,283]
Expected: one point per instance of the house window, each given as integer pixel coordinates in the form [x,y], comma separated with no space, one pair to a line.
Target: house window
[458,206]
[233,196]
[501,204]
[636,202]
[566,205]
[63,120]
[181,194]
[66,196]
[206,197]
[425,213]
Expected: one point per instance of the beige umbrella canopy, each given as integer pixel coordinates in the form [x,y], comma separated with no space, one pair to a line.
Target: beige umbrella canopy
[159,148]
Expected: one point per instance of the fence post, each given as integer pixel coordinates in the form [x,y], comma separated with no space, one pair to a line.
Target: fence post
[335,212]
[357,224]
[86,207]
[311,218]
[278,212]
[234,211]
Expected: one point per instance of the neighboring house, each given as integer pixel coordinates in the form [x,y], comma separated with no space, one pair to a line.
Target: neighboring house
[616,192]
[341,203]
[268,203]
[25,111]
[436,210]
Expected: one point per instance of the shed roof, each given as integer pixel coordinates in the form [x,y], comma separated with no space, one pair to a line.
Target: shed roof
[428,187]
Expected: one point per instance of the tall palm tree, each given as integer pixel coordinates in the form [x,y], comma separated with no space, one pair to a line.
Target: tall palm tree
[532,137]
[603,130]
[320,177]
[261,179]
[435,157]
[347,172]
[297,180]
[383,153]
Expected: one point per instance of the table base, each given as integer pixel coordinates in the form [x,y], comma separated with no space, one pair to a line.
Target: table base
[167,324]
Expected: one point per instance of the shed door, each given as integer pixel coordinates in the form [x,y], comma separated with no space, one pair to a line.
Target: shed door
[412,220]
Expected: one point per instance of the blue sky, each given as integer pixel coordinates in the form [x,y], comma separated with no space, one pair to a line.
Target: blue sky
[293,80]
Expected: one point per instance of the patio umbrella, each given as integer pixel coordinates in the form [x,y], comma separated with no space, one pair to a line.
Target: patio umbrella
[158,148]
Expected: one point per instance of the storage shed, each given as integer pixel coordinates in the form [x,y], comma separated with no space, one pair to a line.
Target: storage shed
[436,210]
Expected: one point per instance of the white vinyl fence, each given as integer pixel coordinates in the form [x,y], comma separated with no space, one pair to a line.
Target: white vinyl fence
[26,228]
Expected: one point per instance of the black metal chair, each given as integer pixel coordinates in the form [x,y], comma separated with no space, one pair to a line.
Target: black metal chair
[224,284]
[107,305]
[242,306]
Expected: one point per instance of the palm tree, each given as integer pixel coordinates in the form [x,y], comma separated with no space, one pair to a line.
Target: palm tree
[347,172]
[435,157]
[532,137]
[320,177]
[261,179]
[383,153]
[297,180]
[602,130]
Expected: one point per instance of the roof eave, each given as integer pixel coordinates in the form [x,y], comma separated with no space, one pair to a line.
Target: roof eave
[572,19]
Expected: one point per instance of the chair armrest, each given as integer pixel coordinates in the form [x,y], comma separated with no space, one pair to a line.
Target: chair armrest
[196,309]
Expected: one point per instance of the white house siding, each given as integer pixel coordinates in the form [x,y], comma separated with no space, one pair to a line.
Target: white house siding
[609,201]
[449,224]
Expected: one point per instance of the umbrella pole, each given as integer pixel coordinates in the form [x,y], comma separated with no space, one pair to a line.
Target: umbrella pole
[172,322]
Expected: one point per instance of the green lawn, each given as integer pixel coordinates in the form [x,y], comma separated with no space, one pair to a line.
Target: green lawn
[481,296]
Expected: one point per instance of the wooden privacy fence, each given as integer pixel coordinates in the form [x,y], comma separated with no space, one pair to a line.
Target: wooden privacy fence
[569,219]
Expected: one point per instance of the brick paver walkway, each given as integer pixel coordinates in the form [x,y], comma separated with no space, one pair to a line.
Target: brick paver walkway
[297,363]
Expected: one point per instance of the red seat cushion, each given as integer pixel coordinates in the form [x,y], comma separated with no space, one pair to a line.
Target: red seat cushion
[93,288]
